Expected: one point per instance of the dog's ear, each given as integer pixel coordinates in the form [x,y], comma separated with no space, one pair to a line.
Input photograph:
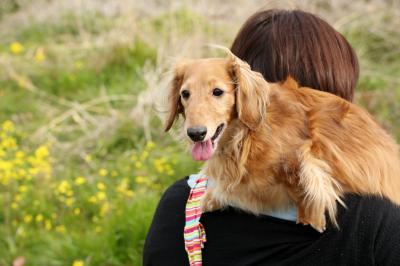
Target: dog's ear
[175,105]
[251,92]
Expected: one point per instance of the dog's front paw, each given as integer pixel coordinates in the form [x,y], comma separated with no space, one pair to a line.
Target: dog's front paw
[316,221]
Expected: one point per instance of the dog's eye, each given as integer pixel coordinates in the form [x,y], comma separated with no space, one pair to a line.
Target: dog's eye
[217,92]
[185,94]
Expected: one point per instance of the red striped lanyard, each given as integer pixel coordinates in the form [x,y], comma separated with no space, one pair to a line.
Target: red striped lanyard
[194,233]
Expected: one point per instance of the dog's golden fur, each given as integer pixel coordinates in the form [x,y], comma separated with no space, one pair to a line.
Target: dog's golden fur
[283,145]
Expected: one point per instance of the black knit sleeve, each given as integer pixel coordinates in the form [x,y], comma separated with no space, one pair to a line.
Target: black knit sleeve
[387,240]
[164,243]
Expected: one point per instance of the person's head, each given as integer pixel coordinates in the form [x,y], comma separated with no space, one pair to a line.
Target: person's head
[278,43]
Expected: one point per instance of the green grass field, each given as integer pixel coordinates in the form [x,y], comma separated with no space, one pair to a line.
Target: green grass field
[83,156]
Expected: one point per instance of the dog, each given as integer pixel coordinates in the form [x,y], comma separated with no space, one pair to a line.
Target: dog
[271,146]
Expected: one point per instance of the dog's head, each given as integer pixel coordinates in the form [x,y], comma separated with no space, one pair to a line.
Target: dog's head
[209,94]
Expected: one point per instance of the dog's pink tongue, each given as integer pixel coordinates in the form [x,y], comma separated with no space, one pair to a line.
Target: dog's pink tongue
[202,151]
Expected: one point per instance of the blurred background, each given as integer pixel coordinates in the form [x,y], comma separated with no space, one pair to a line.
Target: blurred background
[83,156]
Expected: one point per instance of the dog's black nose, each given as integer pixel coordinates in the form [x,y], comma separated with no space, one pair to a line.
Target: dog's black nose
[197,133]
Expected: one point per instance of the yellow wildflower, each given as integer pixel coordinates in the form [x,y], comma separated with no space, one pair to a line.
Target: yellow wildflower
[78,263]
[47,225]
[93,199]
[39,55]
[18,198]
[103,172]
[8,126]
[114,173]
[64,187]
[27,218]
[39,218]
[69,202]
[14,205]
[22,189]
[16,48]
[98,229]
[78,64]
[42,152]
[80,180]
[104,209]
[101,195]
[101,186]
[141,180]
[88,158]
[138,164]
[61,229]
[77,211]
[150,145]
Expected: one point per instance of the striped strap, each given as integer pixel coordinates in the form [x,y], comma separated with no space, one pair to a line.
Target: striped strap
[194,233]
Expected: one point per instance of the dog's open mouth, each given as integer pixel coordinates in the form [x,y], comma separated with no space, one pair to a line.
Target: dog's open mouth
[203,150]
[217,132]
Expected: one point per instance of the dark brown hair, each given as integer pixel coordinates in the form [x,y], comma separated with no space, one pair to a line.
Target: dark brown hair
[278,43]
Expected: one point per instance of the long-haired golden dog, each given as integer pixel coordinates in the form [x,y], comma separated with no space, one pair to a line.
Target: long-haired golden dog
[270,146]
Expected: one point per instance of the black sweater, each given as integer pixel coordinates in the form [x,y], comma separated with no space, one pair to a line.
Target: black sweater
[369,235]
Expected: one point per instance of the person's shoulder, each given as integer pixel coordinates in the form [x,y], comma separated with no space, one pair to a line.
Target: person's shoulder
[177,190]
[175,196]
[372,207]
[378,223]
[371,216]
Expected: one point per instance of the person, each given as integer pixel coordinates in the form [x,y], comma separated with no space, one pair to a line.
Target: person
[278,43]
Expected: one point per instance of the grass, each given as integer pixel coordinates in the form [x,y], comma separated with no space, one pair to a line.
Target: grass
[83,159]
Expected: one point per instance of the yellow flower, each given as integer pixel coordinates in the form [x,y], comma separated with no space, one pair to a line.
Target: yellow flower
[101,195]
[22,189]
[8,126]
[78,64]
[138,164]
[88,158]
[101,186]
[78,263]
[27,218]
[47,225]
[103,172]
[69,202]
[9,143]
[14,205]
[93,199]
[42,152]
[64,187]
[39,55]
[16,48]
[61,229]
[39,218]
[141,180]
[150,145]
[77,211]
[104,209]
[18,198]
[80,180]
[114,173]
[98,229]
